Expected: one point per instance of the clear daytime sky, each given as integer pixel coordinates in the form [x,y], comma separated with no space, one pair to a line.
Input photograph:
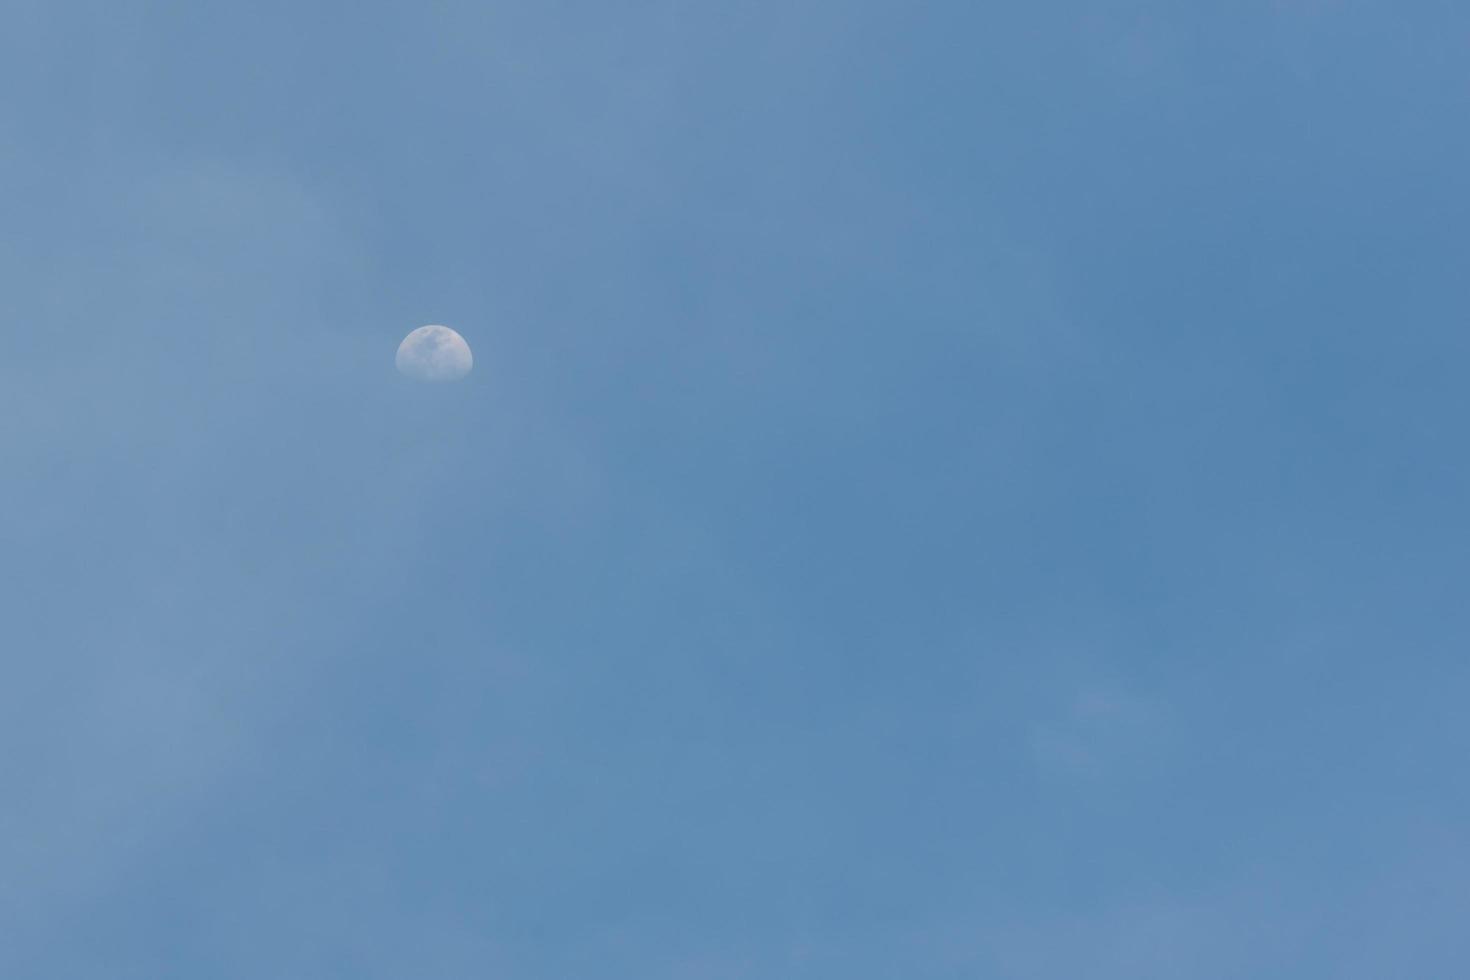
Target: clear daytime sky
[947,490]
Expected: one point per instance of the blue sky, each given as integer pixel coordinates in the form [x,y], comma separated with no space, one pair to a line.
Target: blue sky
[946,491]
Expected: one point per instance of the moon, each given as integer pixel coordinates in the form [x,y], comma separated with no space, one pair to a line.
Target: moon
[434,353]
